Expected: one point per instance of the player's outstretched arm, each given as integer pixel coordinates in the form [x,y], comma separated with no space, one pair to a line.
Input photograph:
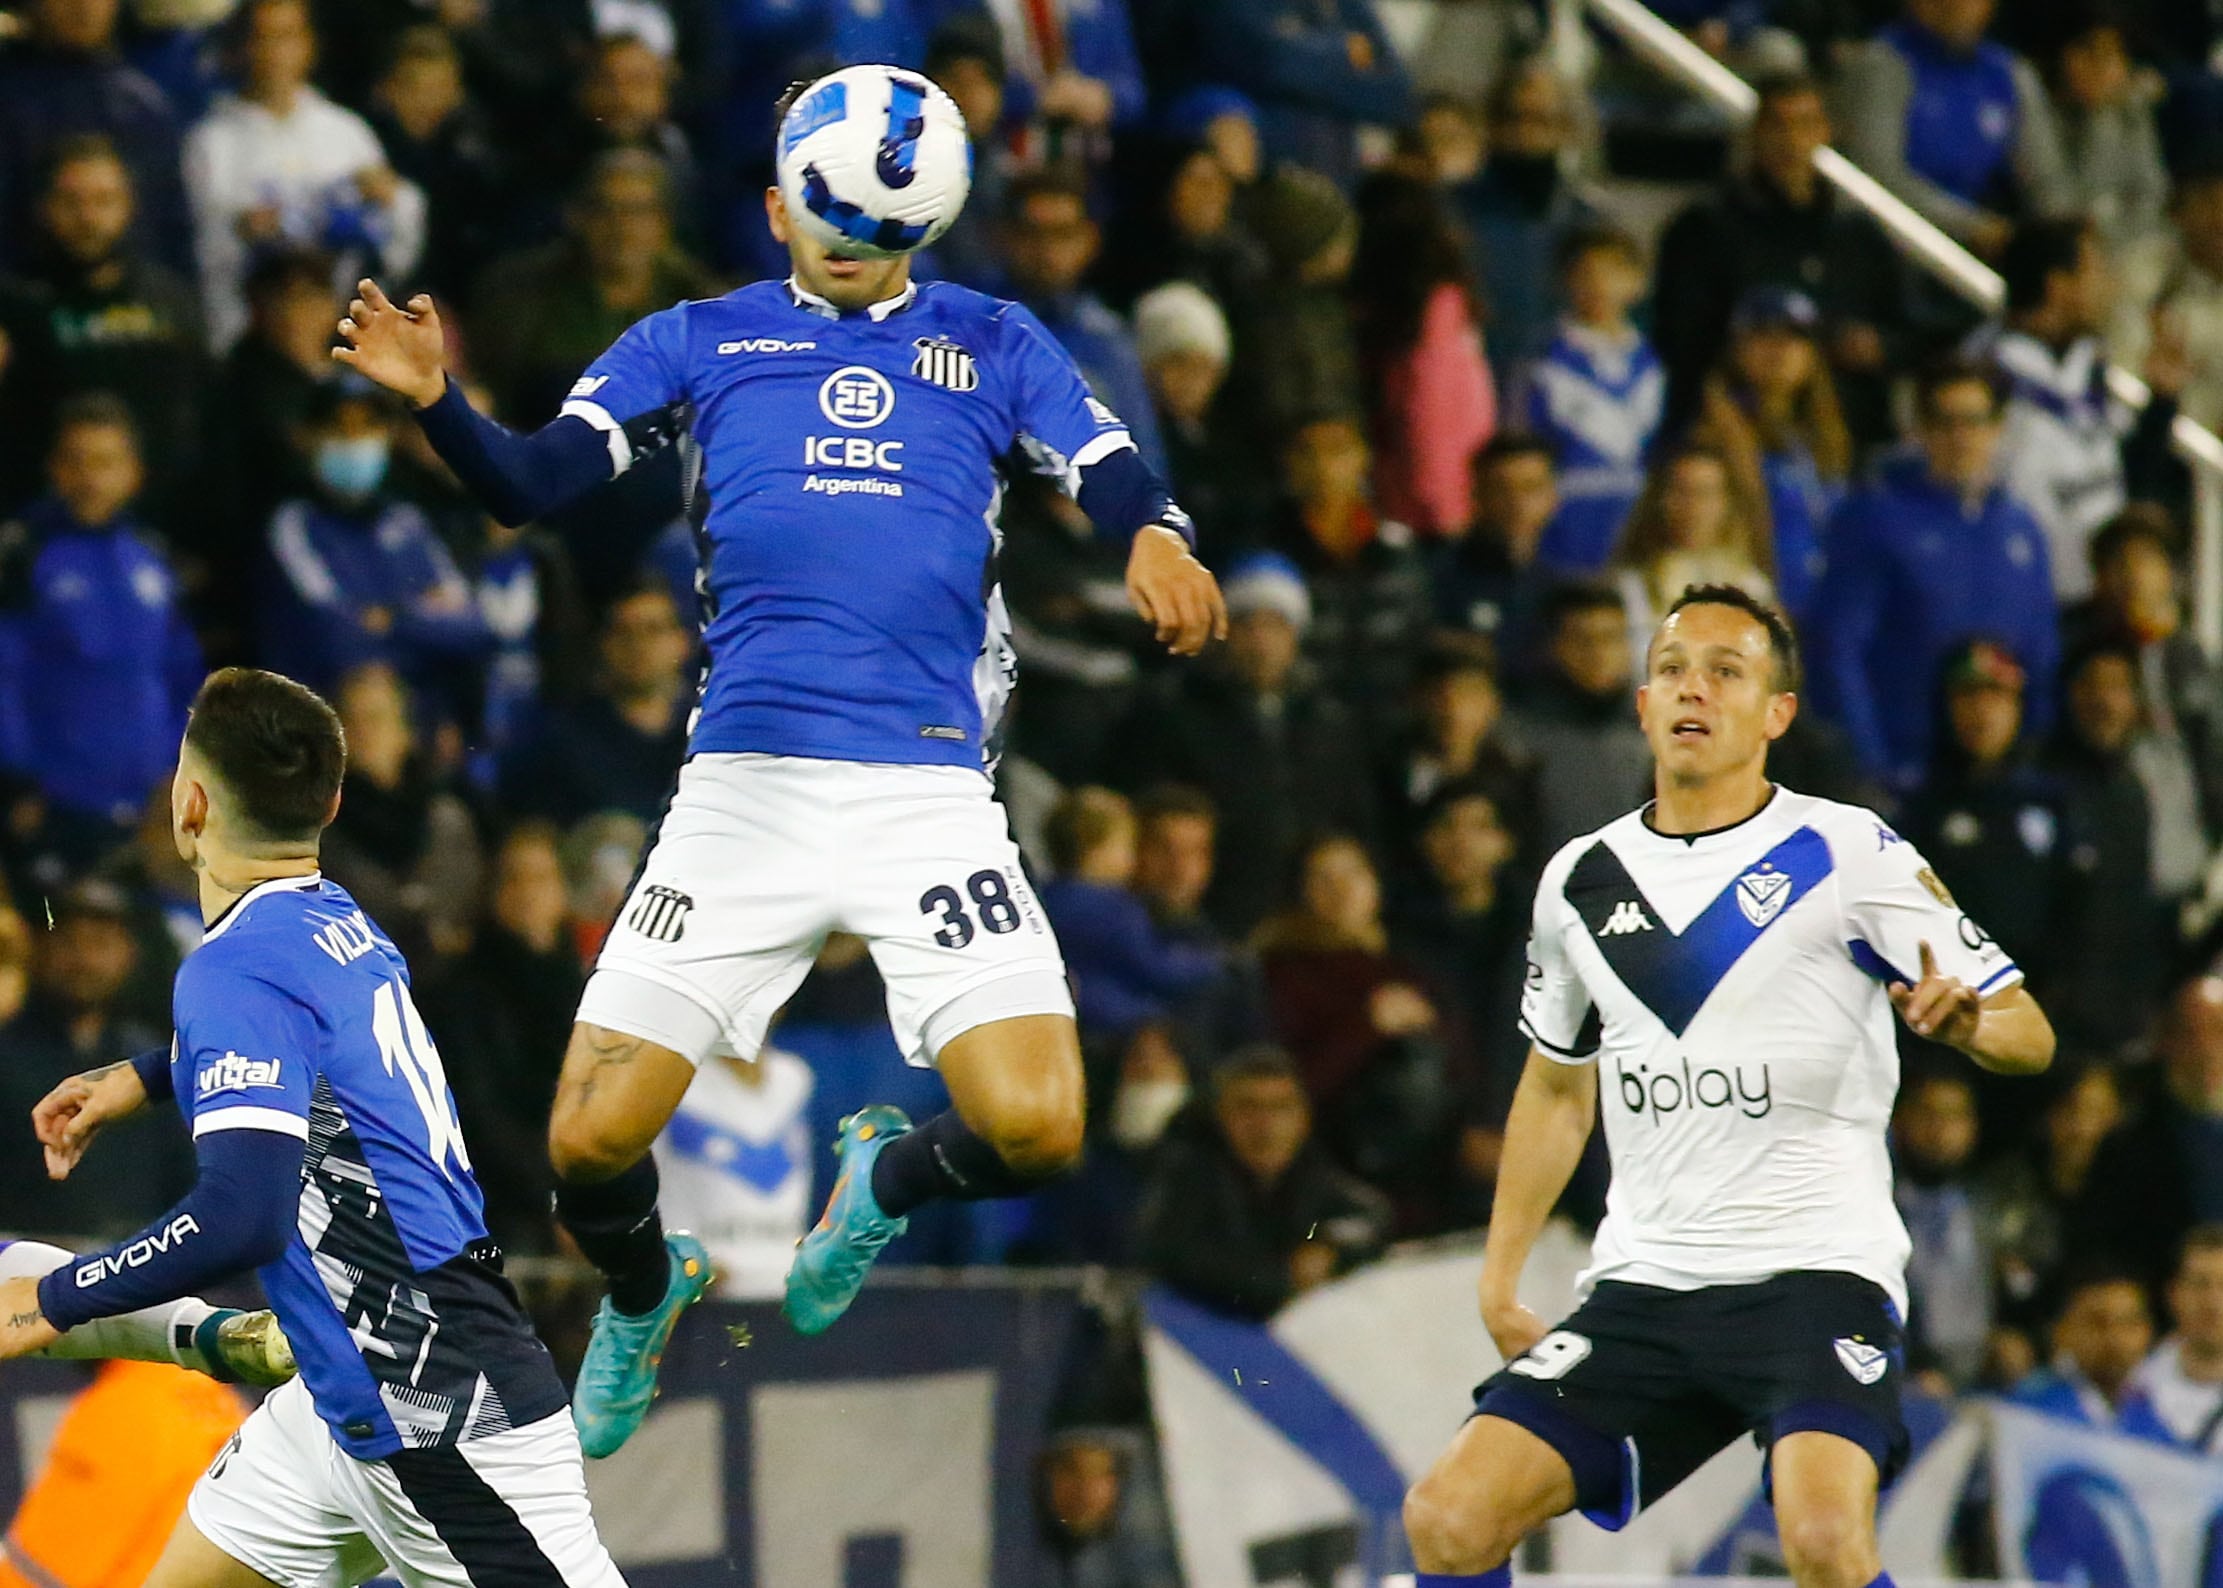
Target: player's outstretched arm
[2006,1033]
[1544,1136]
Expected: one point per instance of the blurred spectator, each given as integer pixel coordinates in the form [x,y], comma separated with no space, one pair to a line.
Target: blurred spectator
[355,574]
[162,895]
[267,391]
[1419,326]
[1295,352]
[965,56]
[278,163]
[2070,452]
[1693,524]
[503,1011]
[1098,1536]
[99,662]
[2102,1332]
[1369,587]
[1176,857]
[1578,718]
[2029,1196]
[60,78]
[1317,69]
[735,1161]
[1183,341]
[1596,394]
[528,595]
[1779,225]
[1049,243]
[1074,75]
[619,747]
[1949,1274]
[2110,144]
[1090,1215]
[1189,227]
[1487,581]
[2118,936]
[1245,1211]
[72,1022]
[403,843]
[1224,121]
[623,101]
[600,855]
[1252,729]
[437,139]
[119,322]
[1957,126]
[1459,739]
[1125,975]
[544,315]
[1367,1032]
[1930,553]
[2189,307]
[2183,1378]
[2161,1172]
[1775,386]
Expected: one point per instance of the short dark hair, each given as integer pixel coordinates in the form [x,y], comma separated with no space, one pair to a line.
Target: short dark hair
[2037,252]
[88,409]
[1256,1061]
[1509,444]
[283,268]
[1161,800]
[1571,598]
[78,149]
[2141,522]
[1782,643]
[1457,792]
[276,746]
[1050,181]
[2091,1272]
[1958,370]
[1597,237]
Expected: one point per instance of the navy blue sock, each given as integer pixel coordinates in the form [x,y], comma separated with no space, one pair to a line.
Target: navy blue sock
[941,1159]
[617,1226]
[1500,1577]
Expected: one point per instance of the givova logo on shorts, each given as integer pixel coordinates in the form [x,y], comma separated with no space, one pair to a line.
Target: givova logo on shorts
[659,913]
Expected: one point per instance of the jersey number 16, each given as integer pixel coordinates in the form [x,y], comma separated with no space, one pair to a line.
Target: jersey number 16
[405,1047]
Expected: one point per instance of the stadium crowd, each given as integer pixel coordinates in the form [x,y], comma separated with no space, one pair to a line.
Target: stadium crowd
[1452,434]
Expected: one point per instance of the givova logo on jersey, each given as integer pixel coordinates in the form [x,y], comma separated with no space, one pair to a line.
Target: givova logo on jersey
[1666,1091]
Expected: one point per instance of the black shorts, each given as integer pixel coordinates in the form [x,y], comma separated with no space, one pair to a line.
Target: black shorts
[1641,1386]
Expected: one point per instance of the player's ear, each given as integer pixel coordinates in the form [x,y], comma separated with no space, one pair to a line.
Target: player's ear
[775,212]
[332,811]
[1782,712]
[1643,694]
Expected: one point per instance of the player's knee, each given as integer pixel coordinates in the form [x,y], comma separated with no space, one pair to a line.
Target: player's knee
[1037,1136]
[1450,1537]
[584,1147]
[1827,1548]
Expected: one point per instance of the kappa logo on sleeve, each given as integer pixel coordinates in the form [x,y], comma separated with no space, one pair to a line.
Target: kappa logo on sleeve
[235,1072]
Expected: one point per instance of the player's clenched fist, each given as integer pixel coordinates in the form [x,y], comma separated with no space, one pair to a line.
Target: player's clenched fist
[399,347]
[1174,592]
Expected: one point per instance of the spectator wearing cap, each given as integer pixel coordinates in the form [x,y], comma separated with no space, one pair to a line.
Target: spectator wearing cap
[1957,126]
[99,662]
[1252,729]
[1576,717]
[1778,224]
[1489,585]
[1296,352]
[1418,317]
[1932,552]
[2102,1331]
[2183,1379]
[1182,338]
[966,57]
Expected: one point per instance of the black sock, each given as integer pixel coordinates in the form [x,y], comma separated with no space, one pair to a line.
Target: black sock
[942,1158]
[616,1224]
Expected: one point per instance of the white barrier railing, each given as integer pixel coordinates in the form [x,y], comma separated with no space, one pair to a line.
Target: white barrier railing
[1658,42]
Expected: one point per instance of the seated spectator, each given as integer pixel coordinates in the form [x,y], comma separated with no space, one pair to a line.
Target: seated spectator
[1368,585]
[1460,737]
[1596,394]
[1295,354]
[1177,840]
[1318,72]
[1225,121]
[1125,976]
[2101,1333]
[436,138]
[267,390]
[2029,1197]
[2155,1176]
[99,663]
[1097,1536]
[1419,325]
[1578,718]
[163,896]
[1049,243]
[1958,127]
[403,844]
[2188,308]
[1932,552]
[2069,451]
[117,321]
[277,163]
[1074,75]
[503,1011]
[2183,1379]
[2110,143]
[735,1162]
[1694,524]
[619,747]
[527,593]
[62,77]
[965,56]
[355,575]
[1189,228]
[1934,1133]
[1182,338]
[624,101]
[1245,1211]
[1487,579]
[1778,225]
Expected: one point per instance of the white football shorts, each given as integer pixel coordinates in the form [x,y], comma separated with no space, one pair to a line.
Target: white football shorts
[284,1499]
[759,857]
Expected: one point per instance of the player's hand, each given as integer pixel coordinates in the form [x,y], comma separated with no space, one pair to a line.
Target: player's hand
[1174,592]
[1513,1327]
[1943,1008]
[68,1118]
[401,348]
[23,1327]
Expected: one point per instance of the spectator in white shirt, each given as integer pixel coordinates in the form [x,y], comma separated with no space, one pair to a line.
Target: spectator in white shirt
[2184,1376]
[278,163]
[736,1168]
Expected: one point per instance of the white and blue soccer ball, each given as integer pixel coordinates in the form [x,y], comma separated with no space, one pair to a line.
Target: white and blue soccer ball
[874,161]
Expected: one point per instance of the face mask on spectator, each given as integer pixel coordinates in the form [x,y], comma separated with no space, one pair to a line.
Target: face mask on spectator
[1143,1109]
[352,468]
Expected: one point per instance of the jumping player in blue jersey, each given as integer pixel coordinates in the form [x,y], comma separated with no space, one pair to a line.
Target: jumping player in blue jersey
[427,1428]
[847,432]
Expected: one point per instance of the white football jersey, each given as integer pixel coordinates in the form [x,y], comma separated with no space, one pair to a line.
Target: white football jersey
[1730,986]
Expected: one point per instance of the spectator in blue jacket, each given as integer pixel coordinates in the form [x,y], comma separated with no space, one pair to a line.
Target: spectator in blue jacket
[1932,552]
[1073,70]
[1318,70]
[99,664]
[355,574]
[2102,1333]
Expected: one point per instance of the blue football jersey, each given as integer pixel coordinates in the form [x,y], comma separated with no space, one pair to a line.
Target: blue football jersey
[294,1015]
[846,473]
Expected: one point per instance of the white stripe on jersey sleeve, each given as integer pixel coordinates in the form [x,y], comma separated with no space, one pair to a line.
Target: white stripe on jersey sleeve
[621,450]
[1103,446]
[247,1117]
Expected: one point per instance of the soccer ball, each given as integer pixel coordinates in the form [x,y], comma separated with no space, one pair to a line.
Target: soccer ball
[874,161]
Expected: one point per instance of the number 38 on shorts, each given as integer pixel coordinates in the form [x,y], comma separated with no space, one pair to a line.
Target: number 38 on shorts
[991,901]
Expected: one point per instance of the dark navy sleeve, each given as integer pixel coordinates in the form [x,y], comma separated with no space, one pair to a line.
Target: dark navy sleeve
[153,1067]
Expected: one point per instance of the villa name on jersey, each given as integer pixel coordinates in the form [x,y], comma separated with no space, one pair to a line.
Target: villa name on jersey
[346,939]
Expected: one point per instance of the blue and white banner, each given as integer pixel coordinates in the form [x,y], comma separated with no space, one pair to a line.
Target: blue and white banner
[2102,1511]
